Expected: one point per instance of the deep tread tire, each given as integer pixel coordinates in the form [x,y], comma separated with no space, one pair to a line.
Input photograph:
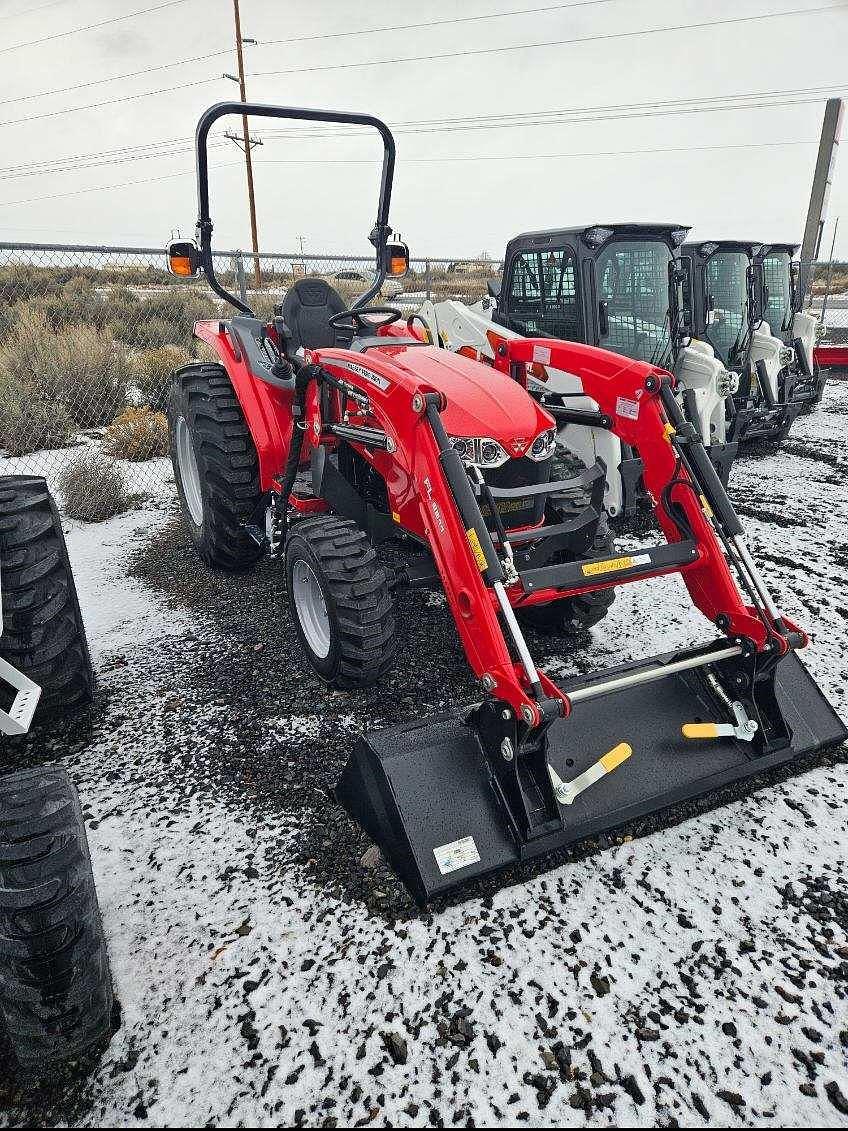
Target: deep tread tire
[227,464]
[55,987]
[43,633]
[357,596]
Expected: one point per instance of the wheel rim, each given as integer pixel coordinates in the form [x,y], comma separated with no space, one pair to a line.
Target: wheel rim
[311,608]
[189,475]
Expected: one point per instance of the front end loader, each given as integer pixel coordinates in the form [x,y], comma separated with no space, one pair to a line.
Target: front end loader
[324,432]
[617,286]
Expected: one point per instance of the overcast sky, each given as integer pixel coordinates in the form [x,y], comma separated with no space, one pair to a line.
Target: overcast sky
[742,172]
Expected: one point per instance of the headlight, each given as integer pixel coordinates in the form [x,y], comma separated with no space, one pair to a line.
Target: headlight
[786,355]
[490,453]
[479,451]
[543,446]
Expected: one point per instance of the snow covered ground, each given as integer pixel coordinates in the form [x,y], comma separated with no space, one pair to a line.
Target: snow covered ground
[696,975]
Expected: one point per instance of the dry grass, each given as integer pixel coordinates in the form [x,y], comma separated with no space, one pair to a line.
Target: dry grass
[137,434]
[153,370]
[79,371]
[93,488]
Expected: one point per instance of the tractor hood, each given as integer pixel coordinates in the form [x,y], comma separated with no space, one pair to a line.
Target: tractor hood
[480,400]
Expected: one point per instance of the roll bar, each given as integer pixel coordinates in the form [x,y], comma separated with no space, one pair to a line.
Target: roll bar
[381,230]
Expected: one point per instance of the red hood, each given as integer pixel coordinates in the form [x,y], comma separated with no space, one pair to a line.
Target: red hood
[480,400]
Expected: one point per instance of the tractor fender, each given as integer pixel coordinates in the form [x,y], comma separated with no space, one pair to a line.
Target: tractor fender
[267,408]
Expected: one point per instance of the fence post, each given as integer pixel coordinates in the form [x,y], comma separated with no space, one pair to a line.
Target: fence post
[238,260]
[427,277]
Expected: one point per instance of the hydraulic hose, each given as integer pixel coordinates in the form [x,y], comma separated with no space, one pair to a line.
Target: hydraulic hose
[304,376]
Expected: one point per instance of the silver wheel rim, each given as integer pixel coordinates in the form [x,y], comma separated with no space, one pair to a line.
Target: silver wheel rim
[311,608]
[189,475]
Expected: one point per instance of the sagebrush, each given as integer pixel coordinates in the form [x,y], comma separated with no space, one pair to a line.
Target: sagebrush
[93,488]
[137,434]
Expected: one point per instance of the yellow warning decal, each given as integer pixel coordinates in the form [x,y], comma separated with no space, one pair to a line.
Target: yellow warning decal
[708,510]
[614,565]
[395,516]
[613,758]
[476,548]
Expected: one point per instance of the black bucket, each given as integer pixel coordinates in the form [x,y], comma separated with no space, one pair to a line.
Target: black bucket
[423,792]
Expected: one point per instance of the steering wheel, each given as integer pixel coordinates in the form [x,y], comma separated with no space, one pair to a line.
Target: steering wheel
[354,320]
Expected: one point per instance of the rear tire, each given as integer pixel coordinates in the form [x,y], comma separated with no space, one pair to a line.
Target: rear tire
[340,601]
[43,633]
[55,987]
[216,467]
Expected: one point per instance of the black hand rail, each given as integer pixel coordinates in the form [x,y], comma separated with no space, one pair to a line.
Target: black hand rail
[381,229]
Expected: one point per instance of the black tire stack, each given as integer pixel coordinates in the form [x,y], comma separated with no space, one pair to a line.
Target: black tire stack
[56,996]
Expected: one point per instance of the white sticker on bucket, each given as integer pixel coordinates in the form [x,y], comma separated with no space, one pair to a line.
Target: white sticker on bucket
[542,355]
[625,407]
[457,854]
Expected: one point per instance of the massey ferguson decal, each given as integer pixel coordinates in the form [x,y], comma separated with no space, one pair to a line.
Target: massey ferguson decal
[367,374]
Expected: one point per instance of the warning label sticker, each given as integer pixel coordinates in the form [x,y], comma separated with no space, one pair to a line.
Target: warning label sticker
[476,548]
[613,565]
[542,355]
[458,854]
[625,407]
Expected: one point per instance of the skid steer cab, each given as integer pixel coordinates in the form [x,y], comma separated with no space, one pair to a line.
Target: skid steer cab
[720,295]
[326,433]
[617,286]
[778,305]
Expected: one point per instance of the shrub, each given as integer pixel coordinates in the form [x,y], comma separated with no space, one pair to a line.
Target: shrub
[79,368]
[93,488]
[153,370]
[137,434]
[29,423]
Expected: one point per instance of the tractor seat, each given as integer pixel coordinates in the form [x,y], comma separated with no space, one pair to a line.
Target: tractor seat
[307,309]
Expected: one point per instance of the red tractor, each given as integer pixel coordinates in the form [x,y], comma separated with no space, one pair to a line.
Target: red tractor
[327,432]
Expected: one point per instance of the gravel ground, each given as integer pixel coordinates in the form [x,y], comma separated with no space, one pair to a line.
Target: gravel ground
[697,975]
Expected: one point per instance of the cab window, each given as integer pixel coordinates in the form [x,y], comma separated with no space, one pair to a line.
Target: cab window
[543,294]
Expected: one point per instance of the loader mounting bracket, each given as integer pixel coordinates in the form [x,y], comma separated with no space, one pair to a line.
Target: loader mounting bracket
[517,758]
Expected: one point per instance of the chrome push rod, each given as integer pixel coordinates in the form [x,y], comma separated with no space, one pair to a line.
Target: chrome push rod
[651,674]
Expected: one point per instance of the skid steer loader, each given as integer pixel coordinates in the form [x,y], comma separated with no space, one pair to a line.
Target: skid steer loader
[778,302]
[55,988]
[618,286]
[719,285]
[325,431]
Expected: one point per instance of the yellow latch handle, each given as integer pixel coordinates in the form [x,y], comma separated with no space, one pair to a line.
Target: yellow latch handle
[613,758]
[700,730]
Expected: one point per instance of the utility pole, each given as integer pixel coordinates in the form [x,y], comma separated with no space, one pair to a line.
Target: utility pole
[248,160]
[822,178]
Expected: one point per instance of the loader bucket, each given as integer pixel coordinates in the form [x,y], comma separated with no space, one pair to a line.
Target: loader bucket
[424,792]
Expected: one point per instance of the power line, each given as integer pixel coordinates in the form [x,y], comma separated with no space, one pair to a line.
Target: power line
[429,58]
[429,161]
[91,27]
[172,147]
[606,36]
[310,39]
[32,11]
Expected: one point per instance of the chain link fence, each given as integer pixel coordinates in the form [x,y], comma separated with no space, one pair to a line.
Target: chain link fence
[89,337]
[829,301]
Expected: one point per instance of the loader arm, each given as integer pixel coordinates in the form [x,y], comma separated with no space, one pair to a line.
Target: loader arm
[630,394]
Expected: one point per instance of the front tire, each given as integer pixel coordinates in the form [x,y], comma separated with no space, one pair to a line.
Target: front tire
[340,601]
[55,987]
[43,633]
[216,467]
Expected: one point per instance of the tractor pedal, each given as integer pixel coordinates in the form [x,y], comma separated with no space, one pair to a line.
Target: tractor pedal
[566,792]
